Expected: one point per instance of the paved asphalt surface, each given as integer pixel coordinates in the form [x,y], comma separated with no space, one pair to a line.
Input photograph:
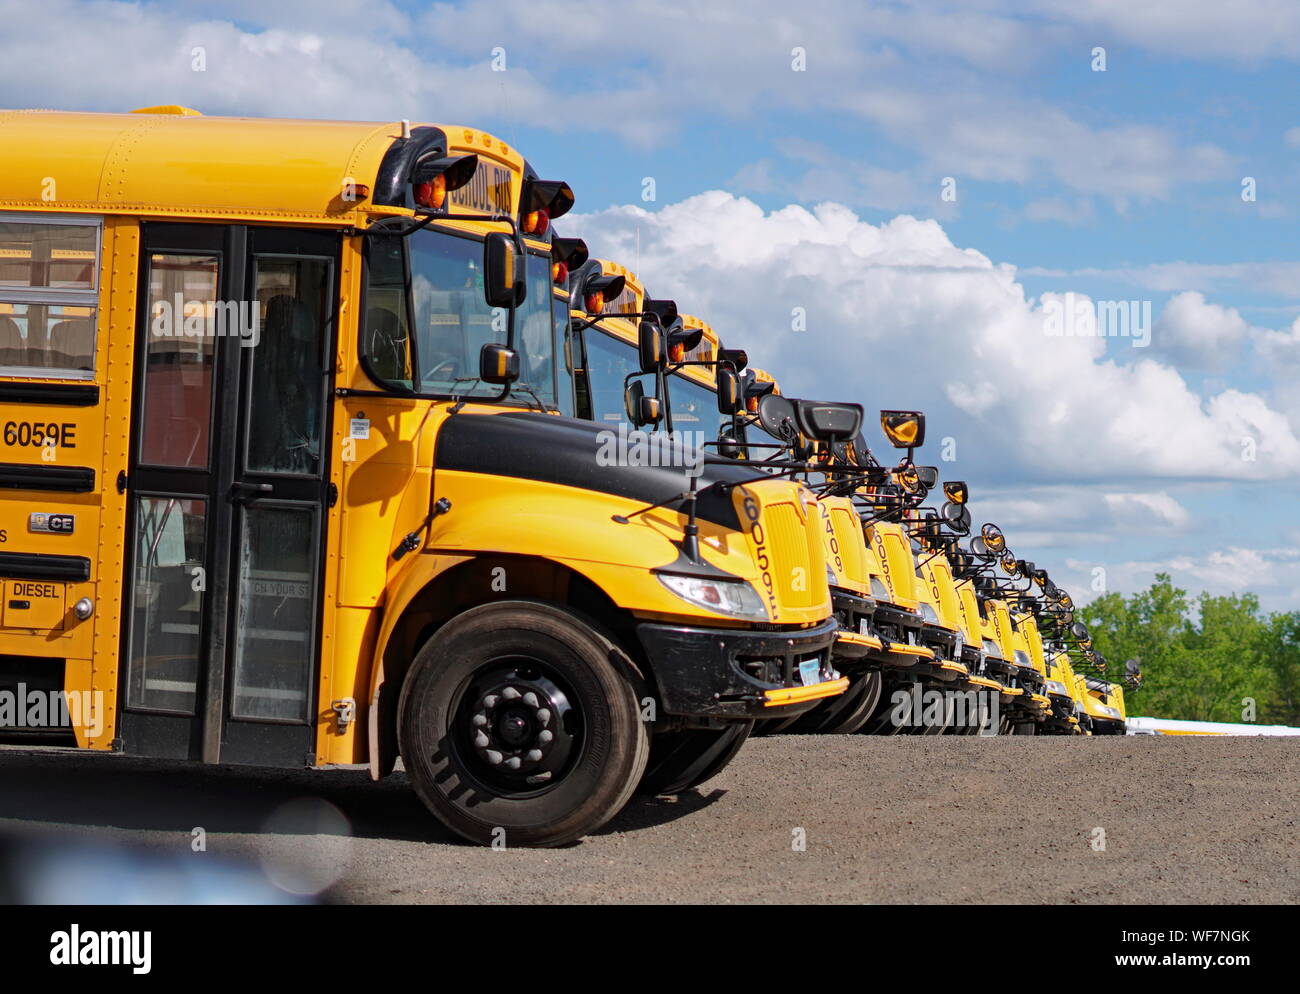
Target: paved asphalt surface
[913,820]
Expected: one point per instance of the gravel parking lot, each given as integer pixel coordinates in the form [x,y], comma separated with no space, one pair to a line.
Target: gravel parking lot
[793,819]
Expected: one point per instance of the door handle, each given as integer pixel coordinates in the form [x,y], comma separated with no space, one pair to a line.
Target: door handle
[246,493]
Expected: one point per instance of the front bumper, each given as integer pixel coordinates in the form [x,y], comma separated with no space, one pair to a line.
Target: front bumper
[855,640]
[738,672]
[899,632]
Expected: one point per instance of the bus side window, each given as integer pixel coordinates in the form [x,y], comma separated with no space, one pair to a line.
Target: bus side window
[49,282]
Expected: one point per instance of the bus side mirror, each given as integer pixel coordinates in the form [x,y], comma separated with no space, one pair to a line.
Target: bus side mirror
[641,410]
[650,346]
[498,364]
[904,429]
[728,391]
[503,272]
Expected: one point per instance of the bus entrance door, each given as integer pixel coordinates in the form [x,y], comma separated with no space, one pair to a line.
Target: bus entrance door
[227,493]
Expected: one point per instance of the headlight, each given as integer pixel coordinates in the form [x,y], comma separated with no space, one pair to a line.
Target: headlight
[734,597]
[1022,658]
[927,613]
[878,590]
[1056,687]
[831,578]
[991,648]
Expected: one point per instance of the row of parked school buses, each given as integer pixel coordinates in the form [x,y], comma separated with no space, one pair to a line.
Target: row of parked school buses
[938,632]
[449,491]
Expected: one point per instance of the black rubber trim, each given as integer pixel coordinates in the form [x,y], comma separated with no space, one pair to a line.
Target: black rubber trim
[42,566]
[932,634]
[889,614]
[851,603]
[65,394]
[1000,667]
[65,479]
[532,446]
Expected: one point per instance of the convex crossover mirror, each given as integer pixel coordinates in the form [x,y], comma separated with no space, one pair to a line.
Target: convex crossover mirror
[957,516]
[993,538]
[828,422]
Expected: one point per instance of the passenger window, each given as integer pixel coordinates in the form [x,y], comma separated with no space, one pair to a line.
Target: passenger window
[49,281]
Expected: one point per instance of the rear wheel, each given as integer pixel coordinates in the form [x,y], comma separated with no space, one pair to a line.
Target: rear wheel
[1025,728]
[519,725]
[686,759]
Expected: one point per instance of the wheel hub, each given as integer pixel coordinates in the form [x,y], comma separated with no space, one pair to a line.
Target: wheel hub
[517,725]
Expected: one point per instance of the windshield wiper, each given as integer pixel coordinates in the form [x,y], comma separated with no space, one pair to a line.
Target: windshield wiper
[525,388]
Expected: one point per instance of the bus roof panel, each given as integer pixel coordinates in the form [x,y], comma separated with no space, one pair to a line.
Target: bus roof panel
[189,165]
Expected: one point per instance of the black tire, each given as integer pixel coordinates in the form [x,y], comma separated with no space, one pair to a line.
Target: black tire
[459,722]
[774,726]
[682,760]
[881,720]
[949,707]
[846,712]
[1025,728]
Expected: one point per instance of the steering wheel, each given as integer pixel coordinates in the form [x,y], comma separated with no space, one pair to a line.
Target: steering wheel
[452,367]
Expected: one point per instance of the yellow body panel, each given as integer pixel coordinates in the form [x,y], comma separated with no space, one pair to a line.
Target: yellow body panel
[846,550]
[897,567]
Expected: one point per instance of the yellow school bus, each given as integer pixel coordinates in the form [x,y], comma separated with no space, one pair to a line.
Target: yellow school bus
[284,483]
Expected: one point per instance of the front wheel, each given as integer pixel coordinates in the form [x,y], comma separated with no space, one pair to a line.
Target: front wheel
[519,725]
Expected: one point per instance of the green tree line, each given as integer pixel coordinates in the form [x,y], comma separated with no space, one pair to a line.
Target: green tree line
[1203,659]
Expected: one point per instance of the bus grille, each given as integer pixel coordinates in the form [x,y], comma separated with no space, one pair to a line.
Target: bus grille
[792,561]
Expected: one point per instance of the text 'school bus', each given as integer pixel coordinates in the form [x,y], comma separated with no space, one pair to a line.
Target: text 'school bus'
[283,484]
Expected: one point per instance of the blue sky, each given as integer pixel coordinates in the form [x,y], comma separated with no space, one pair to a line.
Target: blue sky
[820,189]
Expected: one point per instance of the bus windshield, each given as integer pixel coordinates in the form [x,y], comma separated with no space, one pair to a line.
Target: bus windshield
[452,320]
[695,408]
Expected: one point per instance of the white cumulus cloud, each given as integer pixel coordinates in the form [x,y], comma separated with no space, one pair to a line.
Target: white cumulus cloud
[899,316]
